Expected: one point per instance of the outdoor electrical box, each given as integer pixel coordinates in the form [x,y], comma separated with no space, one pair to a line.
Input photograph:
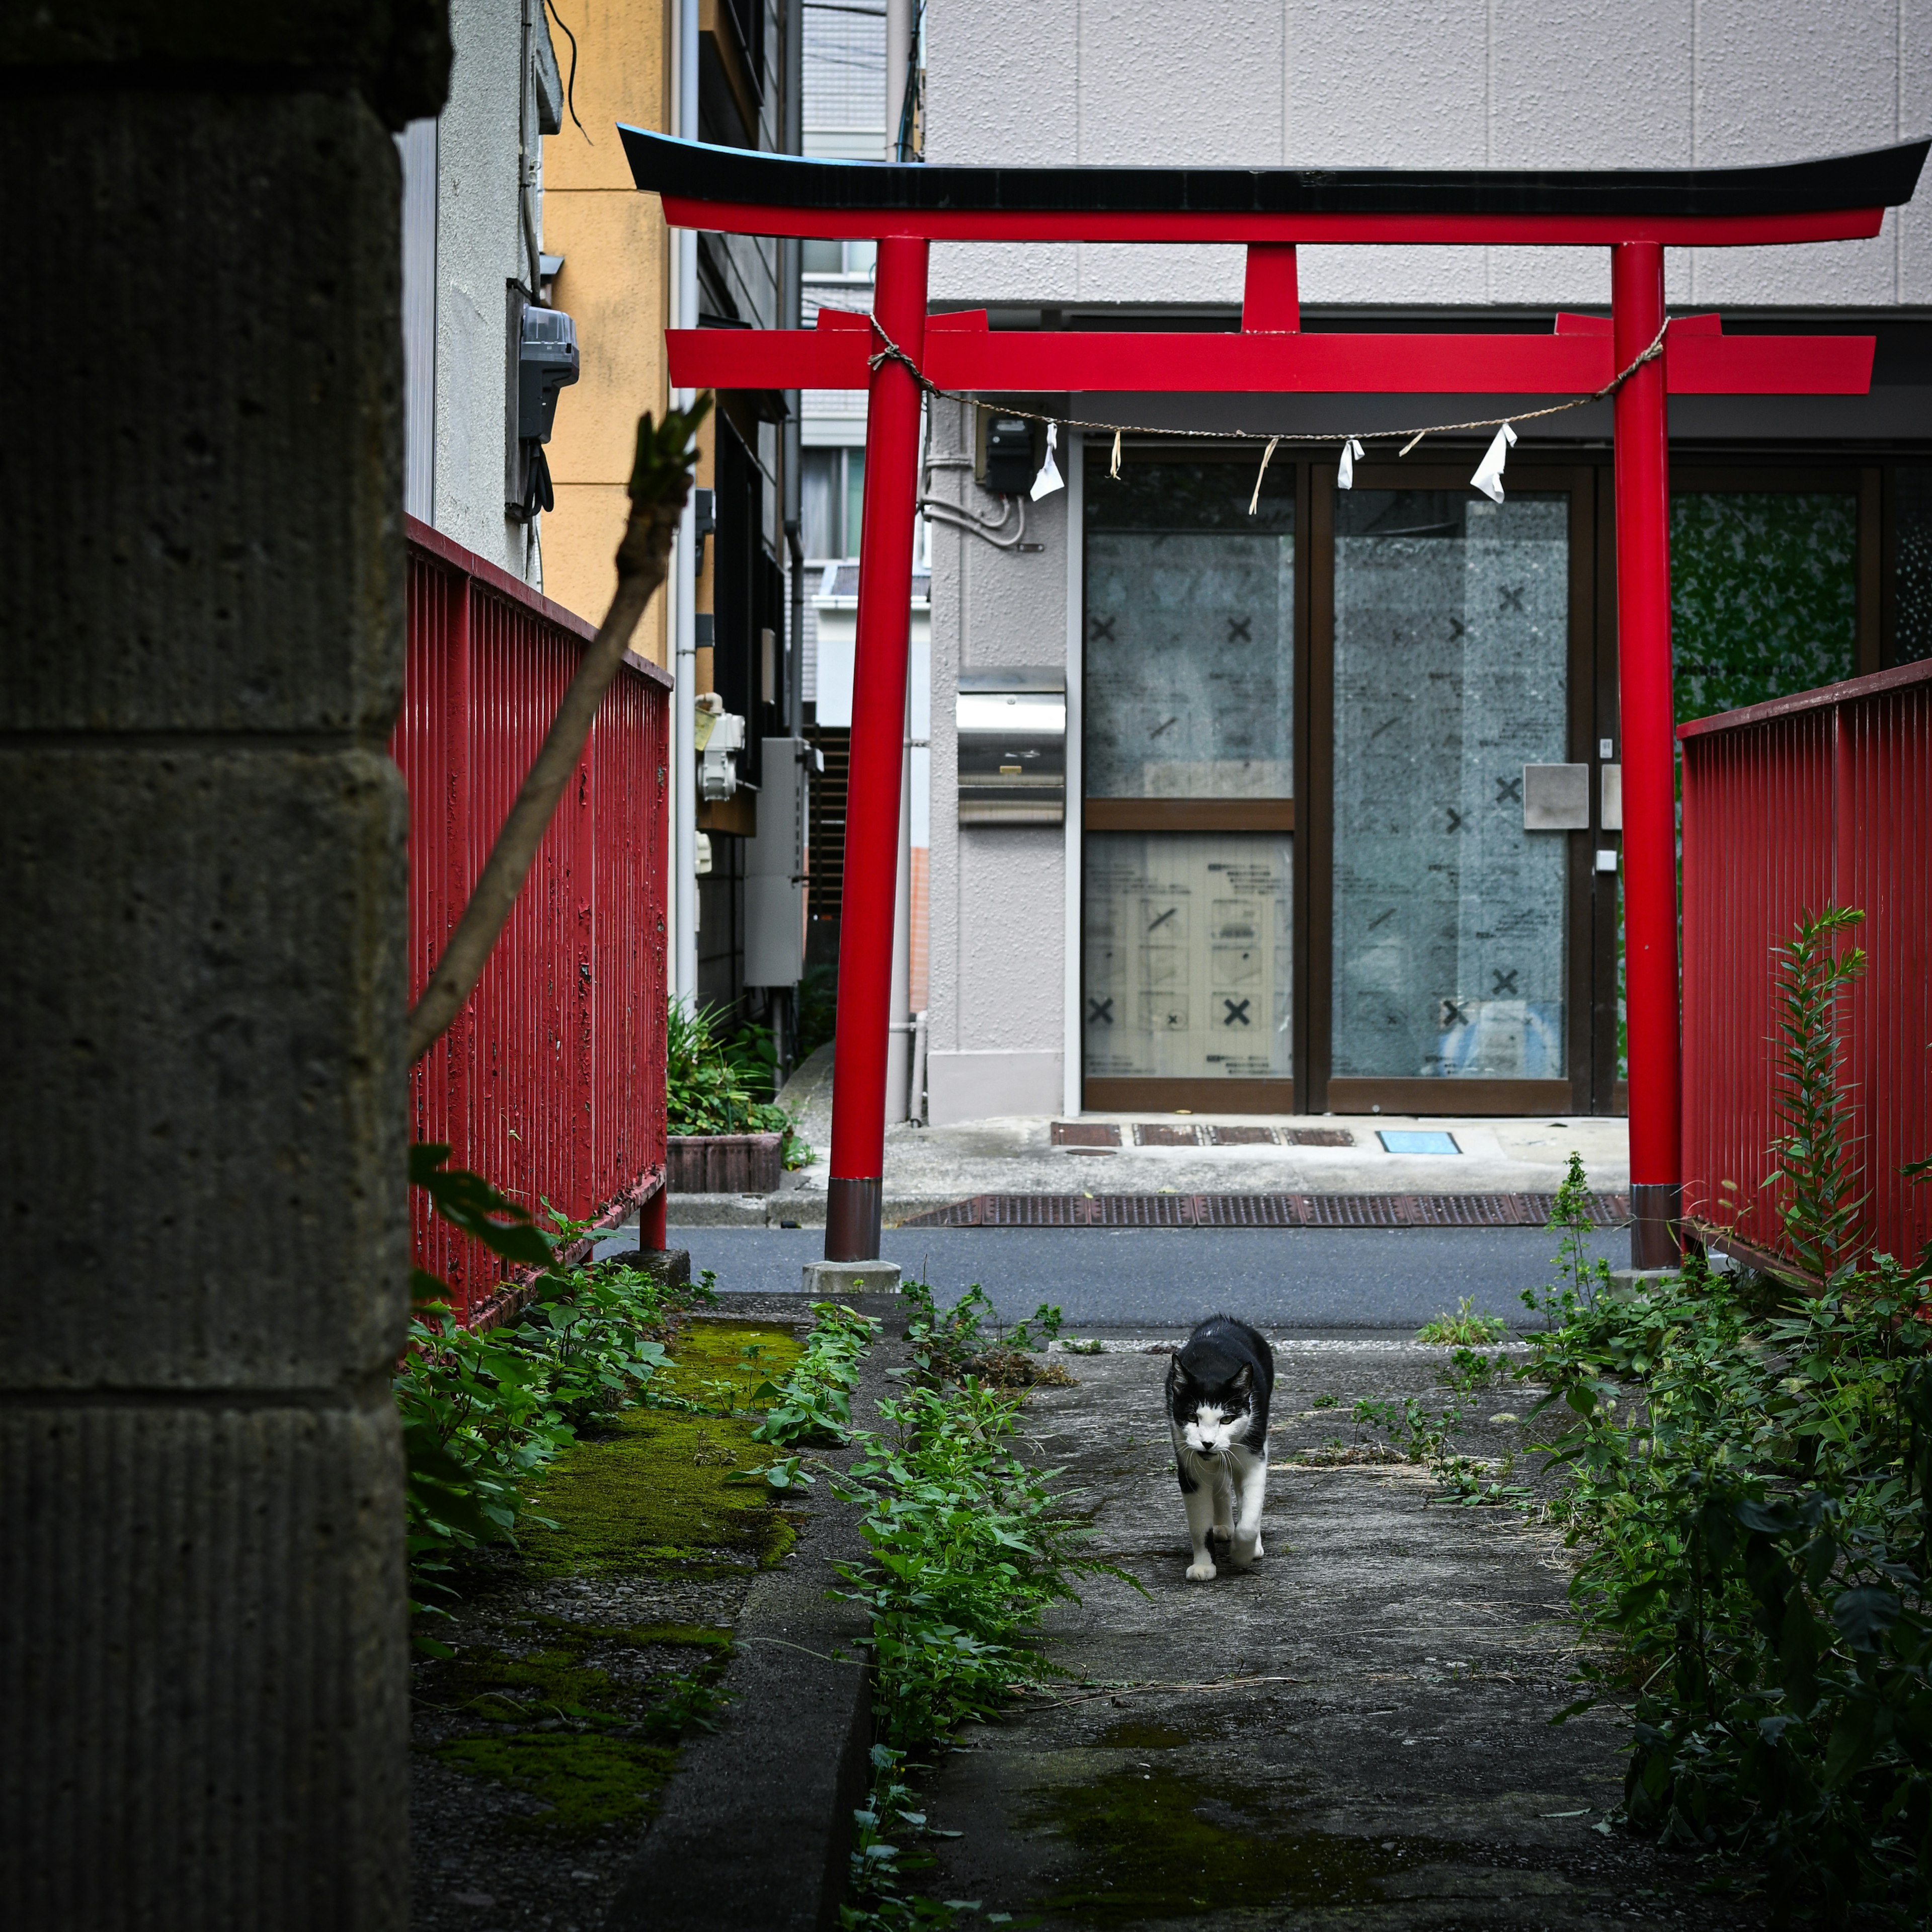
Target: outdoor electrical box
[546,365]
[1013,747]
[720,737]
[775,882]
[1009,452]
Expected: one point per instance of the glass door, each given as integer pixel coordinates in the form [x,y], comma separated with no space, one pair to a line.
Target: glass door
[1188,754]
[1458,633]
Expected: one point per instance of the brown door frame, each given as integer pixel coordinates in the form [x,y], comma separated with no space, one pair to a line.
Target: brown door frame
[1529,470]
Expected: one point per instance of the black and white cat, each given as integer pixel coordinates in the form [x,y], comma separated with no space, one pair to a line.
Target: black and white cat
[1218,1387]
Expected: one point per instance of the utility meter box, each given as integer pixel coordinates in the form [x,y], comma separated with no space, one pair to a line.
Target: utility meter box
[719,737]
[1013,747]
[775,882]
[546,365]
[1009,452]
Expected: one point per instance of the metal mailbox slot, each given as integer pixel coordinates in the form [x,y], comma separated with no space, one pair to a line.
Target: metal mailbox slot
[1013,747]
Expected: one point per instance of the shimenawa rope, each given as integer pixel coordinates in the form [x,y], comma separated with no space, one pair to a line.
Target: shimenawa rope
[892,352]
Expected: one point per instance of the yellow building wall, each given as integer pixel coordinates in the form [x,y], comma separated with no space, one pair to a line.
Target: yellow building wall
[615,283]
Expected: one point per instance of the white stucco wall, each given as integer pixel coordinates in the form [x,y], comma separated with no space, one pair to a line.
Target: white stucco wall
[998,893]
[480,250]
[1422,83]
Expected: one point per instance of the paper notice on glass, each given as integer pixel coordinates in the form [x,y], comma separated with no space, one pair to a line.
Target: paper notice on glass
[1489,476]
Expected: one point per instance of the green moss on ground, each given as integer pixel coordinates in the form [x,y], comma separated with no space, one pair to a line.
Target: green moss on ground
[1158,1844]
[654,1492]
[585,1780]
[648,1496]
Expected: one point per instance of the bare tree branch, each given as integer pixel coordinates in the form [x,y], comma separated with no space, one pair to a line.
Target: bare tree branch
[660,480]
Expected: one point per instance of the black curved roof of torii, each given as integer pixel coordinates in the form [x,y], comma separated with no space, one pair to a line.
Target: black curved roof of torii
[1878,177]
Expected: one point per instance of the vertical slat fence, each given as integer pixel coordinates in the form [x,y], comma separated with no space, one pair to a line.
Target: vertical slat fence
[551,1081]
[1820,799]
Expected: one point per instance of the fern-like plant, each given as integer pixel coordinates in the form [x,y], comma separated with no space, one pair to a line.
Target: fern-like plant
[1822,1211]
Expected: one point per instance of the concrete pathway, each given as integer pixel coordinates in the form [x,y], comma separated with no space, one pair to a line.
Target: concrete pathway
[1388,1763]
[929,1167]
[1304,1277]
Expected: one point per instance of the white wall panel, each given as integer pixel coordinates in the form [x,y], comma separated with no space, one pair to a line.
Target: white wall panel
[1577,84]
[1913,226]
[1179,83]
[1780,79]
[1418,83]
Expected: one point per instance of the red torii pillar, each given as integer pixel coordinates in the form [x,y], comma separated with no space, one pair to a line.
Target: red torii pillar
[904,207]
[1654,1028]
[883,627]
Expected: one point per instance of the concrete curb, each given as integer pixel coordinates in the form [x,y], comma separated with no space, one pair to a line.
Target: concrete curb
[755,1829]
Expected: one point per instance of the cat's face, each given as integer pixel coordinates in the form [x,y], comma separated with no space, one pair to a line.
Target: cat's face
[1212,1418]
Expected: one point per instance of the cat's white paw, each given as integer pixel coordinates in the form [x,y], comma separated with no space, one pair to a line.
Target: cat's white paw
[1203,1572]
[1244,1552]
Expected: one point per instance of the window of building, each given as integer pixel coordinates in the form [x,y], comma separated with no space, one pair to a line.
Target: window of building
[832,493]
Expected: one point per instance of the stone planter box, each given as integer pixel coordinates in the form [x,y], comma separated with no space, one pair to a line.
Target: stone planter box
[724,1163]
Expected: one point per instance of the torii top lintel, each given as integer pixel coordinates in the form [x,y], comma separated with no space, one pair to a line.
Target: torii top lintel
[739,191]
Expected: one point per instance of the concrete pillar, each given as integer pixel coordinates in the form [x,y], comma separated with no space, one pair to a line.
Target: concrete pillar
[203,1259]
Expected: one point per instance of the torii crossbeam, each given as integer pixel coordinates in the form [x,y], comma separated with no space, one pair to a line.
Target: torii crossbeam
[1635,213]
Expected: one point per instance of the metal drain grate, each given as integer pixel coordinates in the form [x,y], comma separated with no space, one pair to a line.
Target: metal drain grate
[1261,1211]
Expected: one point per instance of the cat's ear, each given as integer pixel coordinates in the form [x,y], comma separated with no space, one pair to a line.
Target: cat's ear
[1244,1380]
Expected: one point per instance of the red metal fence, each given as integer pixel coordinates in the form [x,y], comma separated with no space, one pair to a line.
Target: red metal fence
[551,1081]
[1822,799]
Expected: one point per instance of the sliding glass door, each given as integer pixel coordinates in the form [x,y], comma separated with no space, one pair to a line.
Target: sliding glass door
[1187,993]
[1449,952]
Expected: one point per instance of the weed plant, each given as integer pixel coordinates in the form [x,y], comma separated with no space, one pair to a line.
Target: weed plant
[1750,1484]
[969,1339]
[1464,1329]
[814,1403]
[968,1545]
[717,1083]
[485,1410]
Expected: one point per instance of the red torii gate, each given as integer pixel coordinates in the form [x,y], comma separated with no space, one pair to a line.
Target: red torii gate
[904,208]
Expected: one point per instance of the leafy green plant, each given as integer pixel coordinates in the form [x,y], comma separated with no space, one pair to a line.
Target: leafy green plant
[484,1411]
[948,1344]
[1465,1328]
[1424,1435]
[887,1845]
[968,1545]
[1820,1209]
[714,1081]
[1022,1336]
[1580,1277]
[814,1403]
[1751,1487]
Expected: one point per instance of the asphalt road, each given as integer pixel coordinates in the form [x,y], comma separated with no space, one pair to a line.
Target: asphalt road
[1309,1277]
